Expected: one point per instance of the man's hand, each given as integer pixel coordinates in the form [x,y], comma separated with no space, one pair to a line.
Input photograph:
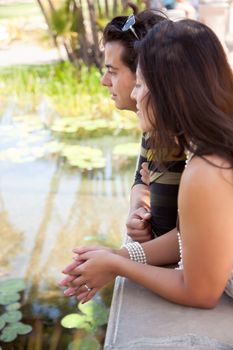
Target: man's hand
[138,225]
[145,174]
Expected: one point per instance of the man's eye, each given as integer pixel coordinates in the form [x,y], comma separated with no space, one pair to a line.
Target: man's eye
[137,86]
[111,72]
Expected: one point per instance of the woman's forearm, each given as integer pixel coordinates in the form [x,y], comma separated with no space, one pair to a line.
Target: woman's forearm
[160,251]
[166,282]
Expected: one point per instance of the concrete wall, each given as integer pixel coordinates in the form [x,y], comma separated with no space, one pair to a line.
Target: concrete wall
[141,320]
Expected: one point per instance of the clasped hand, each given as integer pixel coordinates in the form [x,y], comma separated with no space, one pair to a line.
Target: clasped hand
[90,271]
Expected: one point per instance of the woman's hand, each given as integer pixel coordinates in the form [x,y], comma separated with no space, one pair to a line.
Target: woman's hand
[92,269]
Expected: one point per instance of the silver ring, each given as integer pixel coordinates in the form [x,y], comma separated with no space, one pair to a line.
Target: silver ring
[87,288]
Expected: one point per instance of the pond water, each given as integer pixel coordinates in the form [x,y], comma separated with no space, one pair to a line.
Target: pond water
[46,209]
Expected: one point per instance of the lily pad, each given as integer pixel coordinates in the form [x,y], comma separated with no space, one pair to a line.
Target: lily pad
[84,157]
[13,284]
[14,306]
[96,313]
[76,321]
[8,335]
[21,328]
[6,299]
[2,323]
[12,316]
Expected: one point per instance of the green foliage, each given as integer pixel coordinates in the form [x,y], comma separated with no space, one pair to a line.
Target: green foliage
[12,316]
[54,79]
[2,322]
[93,315]
[61,20]
[87,126]
[8,334]
[86,343]
[14,284]
[6,299]
[84,157]
[77,97]
[76,321]
[96,314]
[14,306]
[10,326]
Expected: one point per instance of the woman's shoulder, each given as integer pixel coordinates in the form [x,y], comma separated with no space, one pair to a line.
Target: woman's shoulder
[206,166]
[206,190]
[207,173]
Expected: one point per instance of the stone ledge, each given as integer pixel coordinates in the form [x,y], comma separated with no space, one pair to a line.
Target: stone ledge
[141,320]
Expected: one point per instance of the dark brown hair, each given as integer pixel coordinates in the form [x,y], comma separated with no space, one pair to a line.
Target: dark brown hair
[191,88]
[145,20]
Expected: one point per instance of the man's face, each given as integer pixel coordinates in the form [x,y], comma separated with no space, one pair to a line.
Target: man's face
[119,79]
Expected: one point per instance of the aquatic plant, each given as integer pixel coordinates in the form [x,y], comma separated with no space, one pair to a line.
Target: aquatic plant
[91,316]
[10,316]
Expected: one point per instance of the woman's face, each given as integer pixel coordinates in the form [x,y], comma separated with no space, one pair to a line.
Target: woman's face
[139,94]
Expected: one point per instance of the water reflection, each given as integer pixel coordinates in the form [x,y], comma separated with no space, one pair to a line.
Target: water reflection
[47,209]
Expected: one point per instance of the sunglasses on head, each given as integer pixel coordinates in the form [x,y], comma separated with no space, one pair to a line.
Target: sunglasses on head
[129,25]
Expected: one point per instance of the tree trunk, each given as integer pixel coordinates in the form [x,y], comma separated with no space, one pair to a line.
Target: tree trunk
[96,52]
[106,8]
[124,4]
[81,30]
[51,34]
[114,10]
[100,14]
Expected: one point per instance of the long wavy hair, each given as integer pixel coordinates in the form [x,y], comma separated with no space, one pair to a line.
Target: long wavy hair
[190,86]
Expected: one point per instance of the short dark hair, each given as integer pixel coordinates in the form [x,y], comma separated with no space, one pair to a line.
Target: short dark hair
[190,85]
[145,20]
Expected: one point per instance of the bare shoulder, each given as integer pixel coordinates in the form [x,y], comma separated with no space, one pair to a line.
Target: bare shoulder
[208,171]
[208,180]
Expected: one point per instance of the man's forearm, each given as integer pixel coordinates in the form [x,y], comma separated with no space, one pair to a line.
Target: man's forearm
[139,197]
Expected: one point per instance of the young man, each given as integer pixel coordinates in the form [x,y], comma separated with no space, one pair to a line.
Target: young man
[153,207]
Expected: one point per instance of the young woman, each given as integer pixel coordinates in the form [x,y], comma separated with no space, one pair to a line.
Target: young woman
[184,95]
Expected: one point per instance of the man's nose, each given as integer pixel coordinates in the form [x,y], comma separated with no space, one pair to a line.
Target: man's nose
[105,81]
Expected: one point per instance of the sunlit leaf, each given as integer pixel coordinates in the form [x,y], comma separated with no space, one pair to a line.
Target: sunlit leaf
[76,321]
[96,313]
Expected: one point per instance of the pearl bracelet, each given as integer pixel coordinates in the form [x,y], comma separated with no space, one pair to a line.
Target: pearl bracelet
[136,252]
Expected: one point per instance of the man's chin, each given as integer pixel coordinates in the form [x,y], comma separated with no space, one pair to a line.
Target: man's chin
[123,107]
[118,105]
